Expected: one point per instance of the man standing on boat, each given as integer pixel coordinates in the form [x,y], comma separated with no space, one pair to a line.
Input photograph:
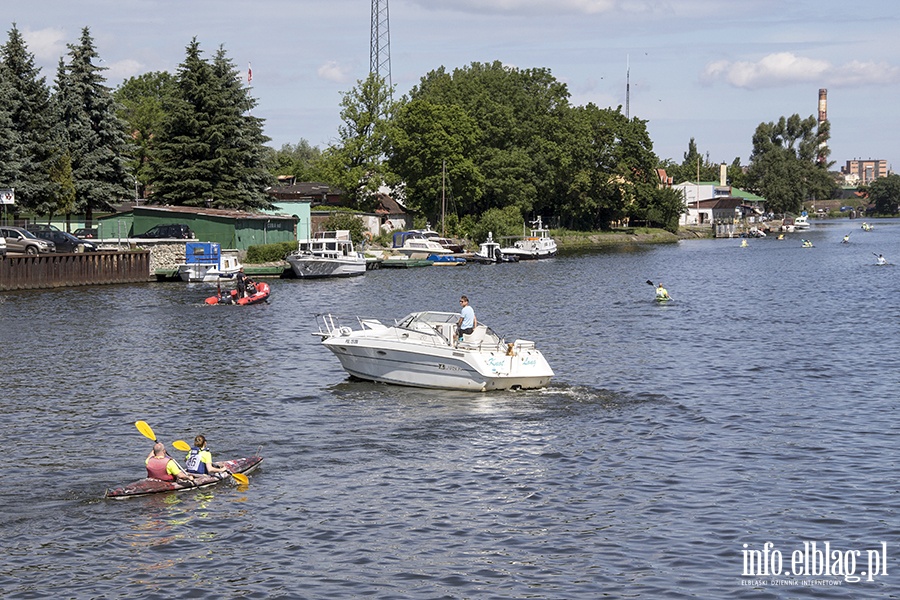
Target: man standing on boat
[242,280]
[467,321]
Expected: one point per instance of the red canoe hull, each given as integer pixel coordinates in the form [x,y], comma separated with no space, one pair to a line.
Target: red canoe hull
[147,486]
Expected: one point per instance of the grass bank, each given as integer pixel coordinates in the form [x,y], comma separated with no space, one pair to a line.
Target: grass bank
[568,240]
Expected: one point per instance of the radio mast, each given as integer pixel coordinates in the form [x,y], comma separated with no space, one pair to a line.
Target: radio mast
[627,87]
[380,42]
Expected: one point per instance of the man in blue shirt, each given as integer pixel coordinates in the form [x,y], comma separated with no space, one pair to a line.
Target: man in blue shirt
[467,321]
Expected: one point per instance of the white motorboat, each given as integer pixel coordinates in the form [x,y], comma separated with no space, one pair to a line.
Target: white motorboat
[489,252]
[415,245]
[207,262]
[327,254]
[450,244]
[801,222]
[537,245]
[422,350]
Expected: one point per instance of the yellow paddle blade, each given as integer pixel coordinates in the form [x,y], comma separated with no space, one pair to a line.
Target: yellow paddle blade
[145,430]
[181,445]
[241,478]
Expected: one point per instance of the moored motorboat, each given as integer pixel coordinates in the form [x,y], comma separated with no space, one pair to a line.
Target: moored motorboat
[147,486]
[328,254]
[423,350]
[415,245]
[451,245]
[489,252]
[446,260]
[537,245]
[207,262]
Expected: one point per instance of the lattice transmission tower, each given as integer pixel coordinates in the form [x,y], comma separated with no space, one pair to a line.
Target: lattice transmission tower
[380,42]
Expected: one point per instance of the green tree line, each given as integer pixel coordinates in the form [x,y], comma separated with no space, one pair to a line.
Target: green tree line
[489,144]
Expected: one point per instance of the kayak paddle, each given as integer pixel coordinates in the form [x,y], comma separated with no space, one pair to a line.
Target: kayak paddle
[147,432]
[654,285]
[185,447]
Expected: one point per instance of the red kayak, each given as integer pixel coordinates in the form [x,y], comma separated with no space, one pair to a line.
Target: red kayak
[260,294]
[146,486]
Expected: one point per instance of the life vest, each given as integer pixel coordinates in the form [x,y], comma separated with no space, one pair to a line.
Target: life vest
[156,468]
[193,462]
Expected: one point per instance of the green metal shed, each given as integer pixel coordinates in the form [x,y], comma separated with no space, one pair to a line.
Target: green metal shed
[230,228]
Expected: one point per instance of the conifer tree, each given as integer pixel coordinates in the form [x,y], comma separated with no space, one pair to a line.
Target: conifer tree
[89,131]
[242,142]
[10,163]
[208,152]
[27,101]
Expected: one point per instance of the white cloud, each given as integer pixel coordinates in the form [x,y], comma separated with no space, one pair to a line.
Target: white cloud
[776,70]
[521,7]
[123,69]
[46,44]
[333,71]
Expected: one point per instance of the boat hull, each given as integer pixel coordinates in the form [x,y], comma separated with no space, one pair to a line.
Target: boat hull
[529,254]
[204,273]
[313,267]
[441,368]
[147,486]
[261,295]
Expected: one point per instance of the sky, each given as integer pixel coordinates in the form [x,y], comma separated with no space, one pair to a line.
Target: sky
[711,70]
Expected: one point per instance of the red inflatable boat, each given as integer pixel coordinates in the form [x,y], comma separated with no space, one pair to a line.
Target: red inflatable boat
[260,294]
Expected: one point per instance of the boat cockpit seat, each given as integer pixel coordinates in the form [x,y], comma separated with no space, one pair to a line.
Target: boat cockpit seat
[475,338]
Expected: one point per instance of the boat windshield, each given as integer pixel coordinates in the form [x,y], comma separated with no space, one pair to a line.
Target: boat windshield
[431,318]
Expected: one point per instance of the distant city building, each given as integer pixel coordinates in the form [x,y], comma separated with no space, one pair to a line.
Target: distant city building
[864,172]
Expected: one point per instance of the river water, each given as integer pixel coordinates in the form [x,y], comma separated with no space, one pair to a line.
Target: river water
[674,443]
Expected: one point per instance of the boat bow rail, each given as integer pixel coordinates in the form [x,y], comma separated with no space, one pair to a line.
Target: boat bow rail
[433,328]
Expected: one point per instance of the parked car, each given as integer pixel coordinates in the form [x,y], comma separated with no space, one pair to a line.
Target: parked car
[176,231]
[35,227]
[2,247]
[23,241]
[66,242]
[86,233]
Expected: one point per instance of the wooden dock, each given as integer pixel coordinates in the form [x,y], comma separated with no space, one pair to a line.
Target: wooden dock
[73,269]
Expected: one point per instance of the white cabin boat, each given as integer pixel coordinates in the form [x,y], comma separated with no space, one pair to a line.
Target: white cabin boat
[327,254]
[537,245]
[422,350]
[207,262]
[415,245]
[489,252]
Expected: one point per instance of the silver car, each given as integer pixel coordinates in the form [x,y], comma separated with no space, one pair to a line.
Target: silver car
[2,247]
[23,241]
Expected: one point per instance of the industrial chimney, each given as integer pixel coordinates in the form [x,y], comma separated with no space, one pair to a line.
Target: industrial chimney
[823,105]
[822,156]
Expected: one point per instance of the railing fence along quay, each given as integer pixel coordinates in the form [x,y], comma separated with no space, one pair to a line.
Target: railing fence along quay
[64,270]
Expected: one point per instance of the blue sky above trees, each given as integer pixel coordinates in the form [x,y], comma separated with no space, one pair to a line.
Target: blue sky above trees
[705,69]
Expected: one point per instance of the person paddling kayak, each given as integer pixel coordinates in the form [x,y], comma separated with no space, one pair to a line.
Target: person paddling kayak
[199,460]
[662,293]
[161,466]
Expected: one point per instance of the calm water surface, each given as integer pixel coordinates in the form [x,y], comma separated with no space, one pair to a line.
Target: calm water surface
[758,407]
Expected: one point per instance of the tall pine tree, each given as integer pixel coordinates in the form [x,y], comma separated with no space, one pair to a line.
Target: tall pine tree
[27,101]
[10,162]
[208,152]
[93,135]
